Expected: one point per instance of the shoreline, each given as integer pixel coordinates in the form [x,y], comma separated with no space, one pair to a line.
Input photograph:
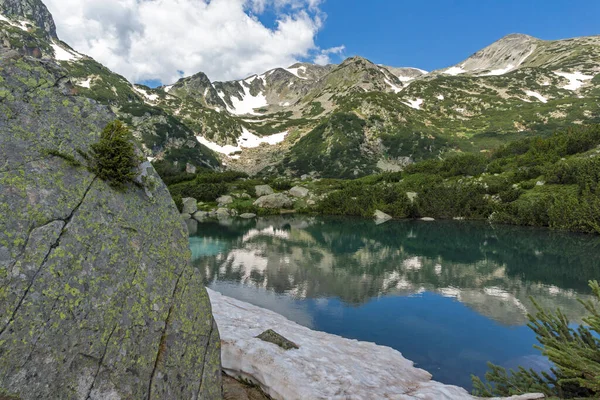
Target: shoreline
[325,366]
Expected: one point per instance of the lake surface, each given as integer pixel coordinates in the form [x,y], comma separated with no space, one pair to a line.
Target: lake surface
[449,295]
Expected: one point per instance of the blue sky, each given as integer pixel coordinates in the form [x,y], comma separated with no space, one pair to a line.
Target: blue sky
[438,33]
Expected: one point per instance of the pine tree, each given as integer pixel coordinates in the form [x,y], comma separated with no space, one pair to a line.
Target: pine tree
[575,354]
[113,156]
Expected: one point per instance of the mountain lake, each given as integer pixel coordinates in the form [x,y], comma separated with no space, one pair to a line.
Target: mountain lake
[448,295]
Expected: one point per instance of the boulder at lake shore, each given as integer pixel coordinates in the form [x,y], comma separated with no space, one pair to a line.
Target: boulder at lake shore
[381,217]
[276,200]
[98,300]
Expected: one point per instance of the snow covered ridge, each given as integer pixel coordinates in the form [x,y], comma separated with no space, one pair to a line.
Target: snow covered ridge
[324,367]
[23,25]
[248,103]
[246,140]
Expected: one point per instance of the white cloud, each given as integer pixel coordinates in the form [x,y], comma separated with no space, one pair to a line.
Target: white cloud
[324,57]
[158,39]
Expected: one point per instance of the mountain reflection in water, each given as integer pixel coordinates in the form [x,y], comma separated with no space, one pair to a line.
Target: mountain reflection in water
[449,295]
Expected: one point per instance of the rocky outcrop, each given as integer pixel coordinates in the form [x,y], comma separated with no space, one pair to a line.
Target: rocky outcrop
[98,297]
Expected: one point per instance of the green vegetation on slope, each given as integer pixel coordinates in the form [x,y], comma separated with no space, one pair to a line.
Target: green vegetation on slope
[333,148]
[538,182]
[547,182]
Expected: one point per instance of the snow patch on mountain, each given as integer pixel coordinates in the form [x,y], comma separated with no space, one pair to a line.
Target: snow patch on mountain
[416,104]
[248,103]
[538,96]
[86,84]
[23,25]
[576,80]
[150,97]
[395,88]
[246,140]
[500,71]
[440,97]
[62,54]
[454,71]
[295,71]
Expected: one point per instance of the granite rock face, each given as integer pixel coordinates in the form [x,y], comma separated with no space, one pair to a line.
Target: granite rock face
[98,298]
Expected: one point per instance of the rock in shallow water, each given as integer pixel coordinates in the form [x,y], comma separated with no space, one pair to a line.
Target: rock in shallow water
[190,206]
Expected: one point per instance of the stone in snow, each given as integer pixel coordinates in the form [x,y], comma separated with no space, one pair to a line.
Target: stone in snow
[381,217]
[190,206]
[324,366]
[299,191]
[263,190]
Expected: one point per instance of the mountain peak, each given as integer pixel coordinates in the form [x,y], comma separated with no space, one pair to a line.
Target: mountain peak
[31,10]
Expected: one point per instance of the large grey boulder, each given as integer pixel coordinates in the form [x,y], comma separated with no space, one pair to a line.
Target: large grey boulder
[248,216]
[190,206]
[299,191]
[263,190]
[276,200]
[98,300]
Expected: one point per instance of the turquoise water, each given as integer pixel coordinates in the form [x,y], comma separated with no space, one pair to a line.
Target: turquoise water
[449,295]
